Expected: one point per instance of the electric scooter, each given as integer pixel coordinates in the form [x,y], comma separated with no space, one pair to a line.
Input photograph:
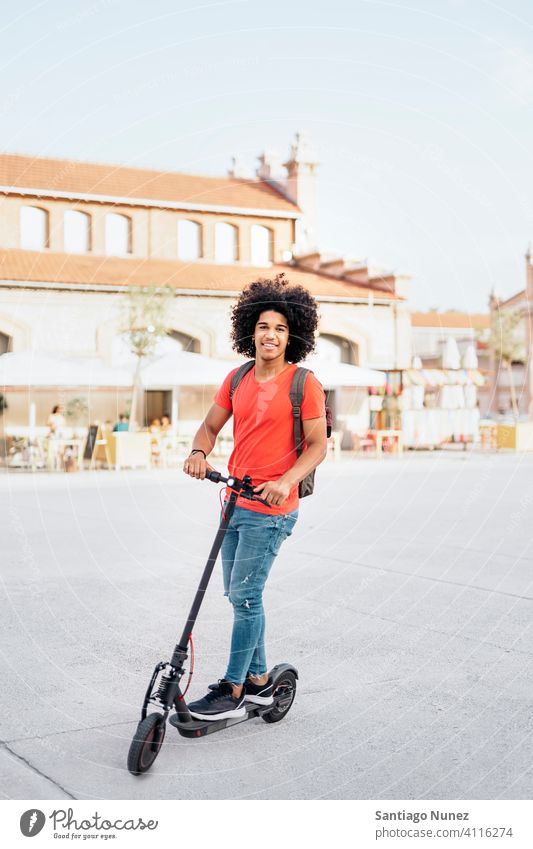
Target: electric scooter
[164,692]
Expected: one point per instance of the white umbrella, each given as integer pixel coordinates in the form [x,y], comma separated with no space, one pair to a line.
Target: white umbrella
[451,357]
[30,368]
[331,374]
[470,358]
[181,368]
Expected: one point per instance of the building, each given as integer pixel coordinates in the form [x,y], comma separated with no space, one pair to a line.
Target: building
[519,344]
[431,331]
[74,236]
[518,376]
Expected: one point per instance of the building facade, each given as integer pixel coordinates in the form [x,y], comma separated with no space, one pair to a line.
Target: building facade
[504,382]
[74,236]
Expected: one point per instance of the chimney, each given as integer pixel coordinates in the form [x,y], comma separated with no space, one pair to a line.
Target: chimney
[357,274]
[270,167]
[309,261]
[239,170]
[335,266]
[300,187]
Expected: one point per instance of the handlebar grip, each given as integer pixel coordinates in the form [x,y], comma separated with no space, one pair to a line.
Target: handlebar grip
[216,477]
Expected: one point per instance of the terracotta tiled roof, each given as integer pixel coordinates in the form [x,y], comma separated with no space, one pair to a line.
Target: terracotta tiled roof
[450,319]
[62,175]
[518,298]
[48,267]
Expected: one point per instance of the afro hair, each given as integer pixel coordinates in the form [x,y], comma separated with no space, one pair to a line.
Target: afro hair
[292,301]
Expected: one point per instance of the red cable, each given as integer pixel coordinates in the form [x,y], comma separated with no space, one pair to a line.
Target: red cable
[230,489]
[221,503]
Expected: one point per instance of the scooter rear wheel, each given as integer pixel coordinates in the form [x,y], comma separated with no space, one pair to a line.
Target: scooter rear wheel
[284,694]
[146,743]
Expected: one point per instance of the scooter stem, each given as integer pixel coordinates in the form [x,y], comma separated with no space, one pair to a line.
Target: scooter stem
[229,507]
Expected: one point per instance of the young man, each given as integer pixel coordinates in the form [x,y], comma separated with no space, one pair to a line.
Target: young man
[274,323]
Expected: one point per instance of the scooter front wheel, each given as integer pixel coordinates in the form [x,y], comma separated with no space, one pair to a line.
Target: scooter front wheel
[284,694]
[146,743]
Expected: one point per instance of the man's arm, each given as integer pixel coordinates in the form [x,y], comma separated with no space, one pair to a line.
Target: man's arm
[195,465]
[314,431]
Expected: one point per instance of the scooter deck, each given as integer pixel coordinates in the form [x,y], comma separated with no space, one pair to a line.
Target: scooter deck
[201,727]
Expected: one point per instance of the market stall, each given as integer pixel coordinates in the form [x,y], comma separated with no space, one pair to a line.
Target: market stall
[439,406]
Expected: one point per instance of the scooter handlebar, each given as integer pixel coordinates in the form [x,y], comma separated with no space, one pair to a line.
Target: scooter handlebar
[244,487]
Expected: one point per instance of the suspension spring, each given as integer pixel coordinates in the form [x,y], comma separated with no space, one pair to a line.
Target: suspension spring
[164,683]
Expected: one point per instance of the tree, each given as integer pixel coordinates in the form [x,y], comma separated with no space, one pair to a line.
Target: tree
[77,410]
[507,344]
[3,407]
[3,447]
[145,319]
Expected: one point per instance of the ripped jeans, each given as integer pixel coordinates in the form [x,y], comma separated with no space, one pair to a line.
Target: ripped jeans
[250,546]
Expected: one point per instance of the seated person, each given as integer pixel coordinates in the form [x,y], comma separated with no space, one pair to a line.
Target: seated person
[122,424]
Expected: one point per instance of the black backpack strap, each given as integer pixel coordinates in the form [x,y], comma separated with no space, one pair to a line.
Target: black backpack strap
[238,376]
[296,396]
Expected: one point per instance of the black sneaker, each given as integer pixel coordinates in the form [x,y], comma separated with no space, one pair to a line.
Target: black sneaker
[219,703]
[260,694]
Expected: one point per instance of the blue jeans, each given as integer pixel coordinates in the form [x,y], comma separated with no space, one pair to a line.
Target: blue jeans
[250,546]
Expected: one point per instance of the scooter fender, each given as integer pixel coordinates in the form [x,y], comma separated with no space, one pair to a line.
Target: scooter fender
[280,669]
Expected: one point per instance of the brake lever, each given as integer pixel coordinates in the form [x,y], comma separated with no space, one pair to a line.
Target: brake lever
[216,477]
[252,497]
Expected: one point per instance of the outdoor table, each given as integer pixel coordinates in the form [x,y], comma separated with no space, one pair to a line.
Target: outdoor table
[334,443]
[488,434]
[174,449]
[131,450]
[55,451]
[380,435]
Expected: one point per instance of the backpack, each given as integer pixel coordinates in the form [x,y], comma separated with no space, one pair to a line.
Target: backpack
[307,485]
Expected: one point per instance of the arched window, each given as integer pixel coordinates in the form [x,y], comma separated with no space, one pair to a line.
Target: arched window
[189,240]
[34,228]
[261,244]
[77,232]
[5,343]
[117,234]
[336,349]
[184,342]
[226,243]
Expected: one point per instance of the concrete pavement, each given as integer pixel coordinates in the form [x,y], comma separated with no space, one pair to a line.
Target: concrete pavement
[404,597]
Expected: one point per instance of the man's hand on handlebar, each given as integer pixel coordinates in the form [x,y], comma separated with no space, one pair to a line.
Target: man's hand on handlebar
[196,466]
[273,492]
[244,488]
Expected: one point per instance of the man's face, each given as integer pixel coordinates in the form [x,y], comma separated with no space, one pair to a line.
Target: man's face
[271,336]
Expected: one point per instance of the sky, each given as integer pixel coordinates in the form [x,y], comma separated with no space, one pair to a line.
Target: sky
[420,111]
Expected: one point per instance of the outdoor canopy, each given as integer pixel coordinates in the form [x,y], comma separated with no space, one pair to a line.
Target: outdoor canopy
[180,368]
[332,374]
[29,368]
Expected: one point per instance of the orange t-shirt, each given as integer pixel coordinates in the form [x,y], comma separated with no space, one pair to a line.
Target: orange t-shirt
[263,431]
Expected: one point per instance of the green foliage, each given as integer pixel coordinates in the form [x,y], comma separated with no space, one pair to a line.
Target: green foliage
[144,323]
[77,410]
[505,339]
[508,344]
[144,317]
